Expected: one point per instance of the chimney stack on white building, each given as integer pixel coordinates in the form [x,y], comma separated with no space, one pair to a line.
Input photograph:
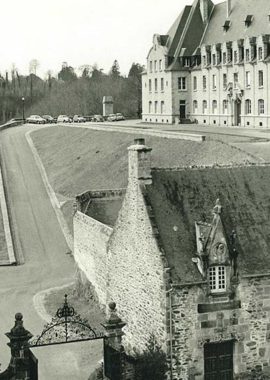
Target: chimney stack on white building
[229,8]
[204,7]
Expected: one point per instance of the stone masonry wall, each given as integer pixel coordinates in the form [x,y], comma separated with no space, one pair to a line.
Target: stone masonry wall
[248,325]
[90,251]
[136,279]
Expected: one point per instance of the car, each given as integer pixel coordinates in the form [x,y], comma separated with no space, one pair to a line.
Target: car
[49,119]
[88,117]
[35,119]
[78,119]
[111,117]
[97,118]
[64,119]
[119,116]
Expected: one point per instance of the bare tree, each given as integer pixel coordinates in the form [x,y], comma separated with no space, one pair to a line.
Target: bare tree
[33,66]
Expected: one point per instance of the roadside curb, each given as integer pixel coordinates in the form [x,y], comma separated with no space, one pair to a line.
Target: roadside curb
[38,301]
[54,201]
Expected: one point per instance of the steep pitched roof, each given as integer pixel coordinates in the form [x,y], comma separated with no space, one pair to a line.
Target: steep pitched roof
[179,198]
[259,9]
[176,30]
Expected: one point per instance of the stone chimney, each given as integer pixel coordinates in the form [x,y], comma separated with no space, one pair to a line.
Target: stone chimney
[139,162]
[204,7]
[229,8]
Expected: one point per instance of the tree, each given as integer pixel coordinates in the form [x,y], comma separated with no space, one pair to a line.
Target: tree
[67,73]
[115,69]
[85,71]
[33,66]
[135,80]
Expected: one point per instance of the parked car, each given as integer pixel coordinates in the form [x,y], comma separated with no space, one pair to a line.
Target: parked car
[88,118]
[35,119]
[98,118]
[78,119]
[64,119]
[111,117]
[119,116]
[49,119]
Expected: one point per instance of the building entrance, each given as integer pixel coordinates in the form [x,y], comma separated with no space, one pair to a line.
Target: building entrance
[237,112]
[182,109]
[218,361]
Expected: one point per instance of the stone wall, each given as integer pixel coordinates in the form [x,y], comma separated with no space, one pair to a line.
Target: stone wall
[90,251]
[196,322]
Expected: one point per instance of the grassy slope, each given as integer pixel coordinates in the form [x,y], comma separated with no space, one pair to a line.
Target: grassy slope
[78,159]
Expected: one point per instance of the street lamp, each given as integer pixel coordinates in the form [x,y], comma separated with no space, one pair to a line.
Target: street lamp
[23,109]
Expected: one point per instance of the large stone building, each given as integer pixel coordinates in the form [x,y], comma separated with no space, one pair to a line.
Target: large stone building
[184,253]
[212,67]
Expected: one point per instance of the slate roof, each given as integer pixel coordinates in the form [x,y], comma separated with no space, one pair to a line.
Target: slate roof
[103,205]
[259,9]
[176,30]
[179,198]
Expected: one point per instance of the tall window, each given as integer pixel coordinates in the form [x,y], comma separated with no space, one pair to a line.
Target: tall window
[224,80]
[225,107]
[204,106]
[151,66]
[214,60]
[160,65]
[217,279]
[195,106]
[214,107]
[247,55]
[261,106]
[150,107]
[162,106]
[182,83]
[248,107]
[150,85]
[235,56]
[156,106]
[204,82]
[260,78]
[214,82]
[260,53]
[162,84]
[224,58]
[155,65]
[204,60]
[156,85]
[248,80]
[235,79]
[195,83]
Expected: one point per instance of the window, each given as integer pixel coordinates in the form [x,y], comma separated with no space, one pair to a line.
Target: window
[151,66]
[195,83]
[235,56]
[260,78]
[204,60]
[226,25]
[214,82]
[248,107]
[214,107]
[156,85]
[150,107]
[150,85]
[225,107]
[162,84]
[195,106]
[261,106]
[217,279]
[204,82]
[181,83]
[247,55]
[224,58]
[260,53]
[155,65]
[248,79]
[214,60]
[248,20]
[186,62]
[235,79]
[162,106]
[160,65]
[224,81]
[156,106]
[204,106]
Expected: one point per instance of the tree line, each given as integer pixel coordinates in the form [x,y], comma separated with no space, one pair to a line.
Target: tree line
[69,92]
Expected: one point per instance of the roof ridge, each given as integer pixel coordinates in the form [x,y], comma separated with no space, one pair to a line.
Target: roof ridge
[213,166]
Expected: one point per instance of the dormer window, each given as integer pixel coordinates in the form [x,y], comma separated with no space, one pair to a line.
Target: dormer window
[226,25]
[260,53]
[248,20]
[217,279]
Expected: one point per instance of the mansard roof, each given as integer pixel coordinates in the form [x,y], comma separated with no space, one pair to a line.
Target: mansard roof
[260,24]
[181,197]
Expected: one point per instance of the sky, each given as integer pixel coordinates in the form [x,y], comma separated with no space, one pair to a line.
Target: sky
[81,32]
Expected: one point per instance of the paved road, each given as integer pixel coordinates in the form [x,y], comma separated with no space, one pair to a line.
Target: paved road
[47,263]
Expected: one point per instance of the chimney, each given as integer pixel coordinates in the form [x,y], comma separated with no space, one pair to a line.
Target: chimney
[139,162]
[229,8]
[204,7]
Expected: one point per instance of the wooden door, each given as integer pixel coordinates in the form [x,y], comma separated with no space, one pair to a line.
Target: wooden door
[218,361]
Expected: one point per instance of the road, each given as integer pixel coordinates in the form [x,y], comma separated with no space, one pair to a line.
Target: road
[46,263]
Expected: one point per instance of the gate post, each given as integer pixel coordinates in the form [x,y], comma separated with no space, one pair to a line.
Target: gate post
[23,364]
[116,365]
